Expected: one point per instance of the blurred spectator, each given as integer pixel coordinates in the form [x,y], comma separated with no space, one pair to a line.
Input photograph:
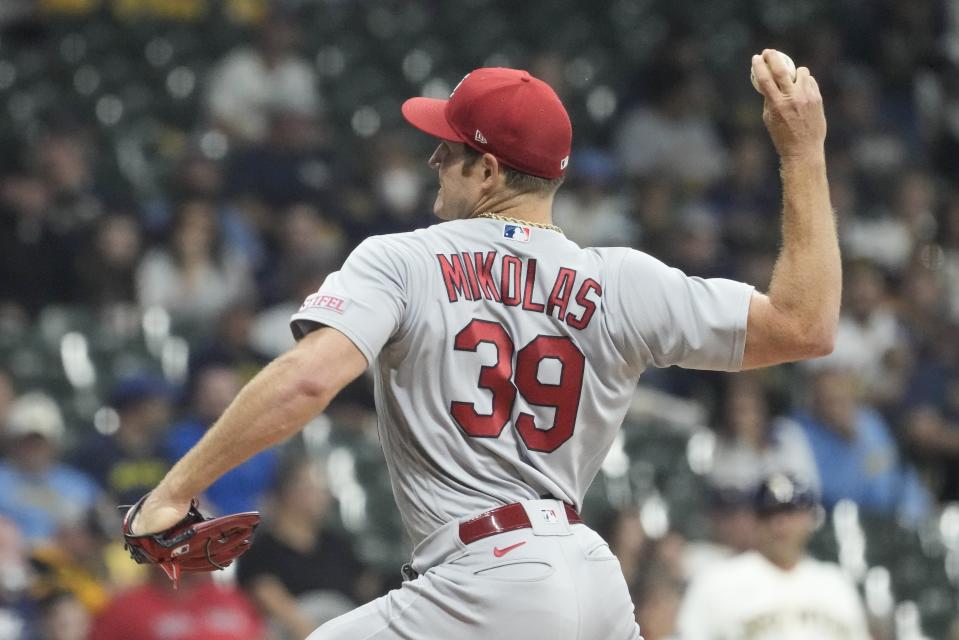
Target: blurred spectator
[873,139]
[732,529]
[752,444]
[299,572]
[923,305]
[198,177]
[106,268]
[748,197]
[931,412]
[870,339]
[658,593]
[890,237]
[590,208]
[306,235]
[628,541]
[230,342]
[673,133]
[399,176]
[61,616]
[270,333]
[63,161]
[199,609]
[697,246]
[657,606]
[293,164]
[776,591]
[655,203]
[212,387]
[44,212]
[130,461]
[197,277]
[653,569]
[36,258]
[250,82]
[74,563]
[38,491]
[14,580]
[856,454]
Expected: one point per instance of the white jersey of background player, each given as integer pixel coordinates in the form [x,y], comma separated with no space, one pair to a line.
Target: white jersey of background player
[775,592]
[505,357]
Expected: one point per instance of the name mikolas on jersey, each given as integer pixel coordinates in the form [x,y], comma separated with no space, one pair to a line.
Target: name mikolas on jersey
[469,276]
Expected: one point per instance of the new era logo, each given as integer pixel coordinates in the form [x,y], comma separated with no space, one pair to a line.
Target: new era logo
[516,232]
[563,163]
[479,137]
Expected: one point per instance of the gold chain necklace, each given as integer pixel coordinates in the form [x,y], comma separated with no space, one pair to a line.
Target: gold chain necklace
[541,225]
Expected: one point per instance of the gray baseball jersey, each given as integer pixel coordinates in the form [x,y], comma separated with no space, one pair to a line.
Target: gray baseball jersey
[505,356]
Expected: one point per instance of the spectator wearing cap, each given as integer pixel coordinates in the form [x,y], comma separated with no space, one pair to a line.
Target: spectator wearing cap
[129,462]
[775,591]
[37,490]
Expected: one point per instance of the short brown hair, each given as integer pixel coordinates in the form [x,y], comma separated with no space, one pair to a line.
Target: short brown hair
[517,180]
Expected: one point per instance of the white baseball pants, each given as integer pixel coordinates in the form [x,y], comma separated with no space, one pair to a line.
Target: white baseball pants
[554,581]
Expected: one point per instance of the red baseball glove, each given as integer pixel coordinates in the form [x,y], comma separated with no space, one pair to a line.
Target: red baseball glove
[196,543]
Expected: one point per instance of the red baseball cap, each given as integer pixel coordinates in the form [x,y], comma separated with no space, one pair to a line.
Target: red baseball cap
[505,112]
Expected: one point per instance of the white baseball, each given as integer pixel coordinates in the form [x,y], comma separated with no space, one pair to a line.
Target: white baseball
[790,65]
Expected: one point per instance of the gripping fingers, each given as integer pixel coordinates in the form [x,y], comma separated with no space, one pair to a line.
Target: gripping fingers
[764,78]
[780,72]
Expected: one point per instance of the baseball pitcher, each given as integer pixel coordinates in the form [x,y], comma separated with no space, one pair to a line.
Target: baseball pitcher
[505,357]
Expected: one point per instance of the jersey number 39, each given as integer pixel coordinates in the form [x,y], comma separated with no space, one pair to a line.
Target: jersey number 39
[503,383]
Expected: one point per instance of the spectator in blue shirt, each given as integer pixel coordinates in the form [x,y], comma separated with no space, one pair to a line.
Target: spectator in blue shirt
[855,452]
[37,491]
[213,385]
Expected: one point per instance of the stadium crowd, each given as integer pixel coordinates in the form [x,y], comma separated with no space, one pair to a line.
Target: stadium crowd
[160,240]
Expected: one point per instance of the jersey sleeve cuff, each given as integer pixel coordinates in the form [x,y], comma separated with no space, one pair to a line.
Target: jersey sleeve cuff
[739,345]
[305,322]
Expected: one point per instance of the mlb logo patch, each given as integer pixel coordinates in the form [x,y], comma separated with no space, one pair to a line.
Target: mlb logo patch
[517,232]
[549,515]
